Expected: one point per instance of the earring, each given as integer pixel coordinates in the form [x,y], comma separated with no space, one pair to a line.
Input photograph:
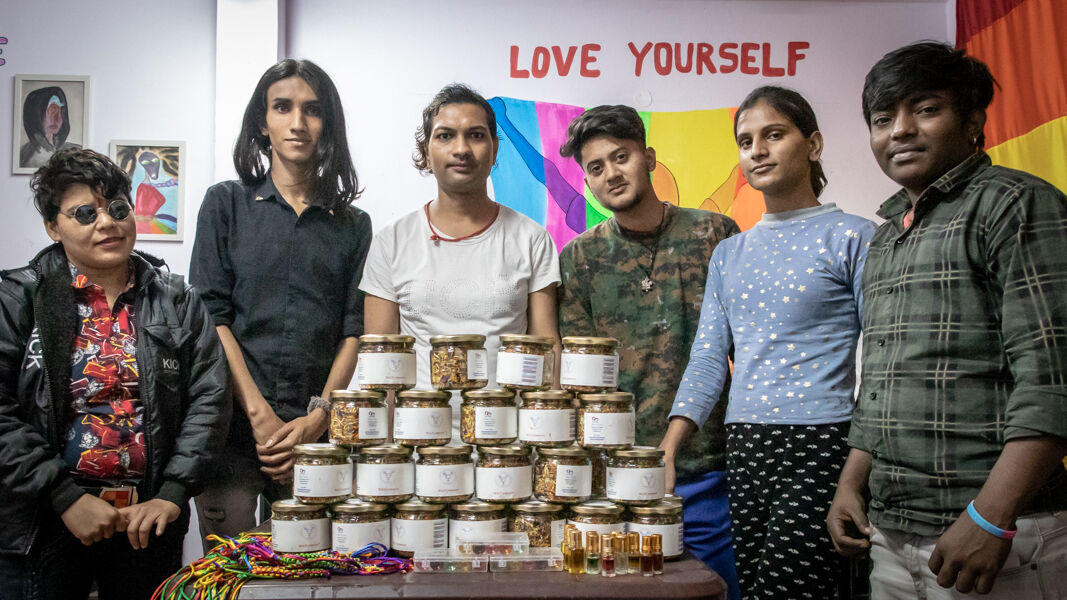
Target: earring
[974,140]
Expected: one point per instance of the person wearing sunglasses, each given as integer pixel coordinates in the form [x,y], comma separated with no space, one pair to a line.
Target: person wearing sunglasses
[114,397]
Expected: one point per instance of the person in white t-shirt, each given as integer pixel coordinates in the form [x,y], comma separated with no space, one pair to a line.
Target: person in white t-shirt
[461,264]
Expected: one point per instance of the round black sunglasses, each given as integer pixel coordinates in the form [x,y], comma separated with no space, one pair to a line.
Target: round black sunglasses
[85,214]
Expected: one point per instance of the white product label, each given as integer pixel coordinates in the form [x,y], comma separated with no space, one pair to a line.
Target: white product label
[300,536]
[496,421]
[503,483]
[513,368]
[318,481]
[558,527]
[589,369]
[444,480]
[422,423]
[553,425]
[409,535]
[600,529]
[385,368]
[635,484]
[574,480]
[608,428]
[477,364]
[350,537]
[473,531]
[373,423]
[673,540]
[385,480]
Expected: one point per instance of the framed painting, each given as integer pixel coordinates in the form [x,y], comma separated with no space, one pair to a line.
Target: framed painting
[51,113]
[157,172]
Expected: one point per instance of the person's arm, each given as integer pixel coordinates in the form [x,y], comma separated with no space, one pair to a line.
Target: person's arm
[260,414]
[847,518]
[541,320]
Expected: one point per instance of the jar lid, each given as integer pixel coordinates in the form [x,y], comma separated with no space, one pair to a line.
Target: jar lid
[527,339]
[353,507]
[547,395]
[661,508]
[607,397]
[590,341]
[356,395]
[489,393]
[477,506]
[290,506]
[386,449]
[457,339]
[598,507]
[320,450]
[514,450]
[424,394]
[372,338]
[416,504]
[639,452]
[673,499]
[565,451]
[445,451]
[536,506]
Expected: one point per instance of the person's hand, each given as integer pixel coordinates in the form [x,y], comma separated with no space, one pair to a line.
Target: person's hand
[264,426]
[668,474]
[847,523]
[141,518]
[91,519]
[968,556]
[276,455]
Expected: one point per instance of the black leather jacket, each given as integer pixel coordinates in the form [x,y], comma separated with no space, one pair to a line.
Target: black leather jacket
[184,382]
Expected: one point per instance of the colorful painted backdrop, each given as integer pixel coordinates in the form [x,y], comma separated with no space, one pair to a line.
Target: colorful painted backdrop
[697,166]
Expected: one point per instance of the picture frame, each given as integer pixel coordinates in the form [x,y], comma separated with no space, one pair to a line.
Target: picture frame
[51,112]
[157,176]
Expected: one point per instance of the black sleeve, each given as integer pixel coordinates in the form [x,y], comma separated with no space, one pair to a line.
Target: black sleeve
[353,323]
[210,268]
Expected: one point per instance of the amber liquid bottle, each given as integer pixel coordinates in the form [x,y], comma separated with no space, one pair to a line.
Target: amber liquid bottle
[633,550]
[646,557]
[577,553]
[657,553]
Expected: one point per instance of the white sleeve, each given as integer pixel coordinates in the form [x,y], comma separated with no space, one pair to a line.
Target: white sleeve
[377,279]
[544,260]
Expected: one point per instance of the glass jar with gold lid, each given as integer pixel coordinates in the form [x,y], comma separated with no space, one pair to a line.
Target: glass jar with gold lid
[589,364]
[563,475]
[322,473]
[503,474]
[357,523]
[542,521]
[386,362]
[422,418]
[358,418]
[636,476]
[297,527]
[525,362]
[385,474]
[489,417]
[417,524]
[600,516]
[472,520]
[663,518]
[606,420]
[546,419]
[458,362]
[444,474]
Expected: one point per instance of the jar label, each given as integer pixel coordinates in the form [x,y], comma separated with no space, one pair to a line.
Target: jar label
[410,535]
[673,540]
[473,531]
[513,368]
[635,484]
[308,535]
[444,480]
[495,422]
[589,369]
[574,480]
[600,528]
[422,423]
[349,537]
[558,527]
[551,425]
[385,480]
[608,428]
[503,483]
[385,368]
[373,423]
[477,364]
[318,481]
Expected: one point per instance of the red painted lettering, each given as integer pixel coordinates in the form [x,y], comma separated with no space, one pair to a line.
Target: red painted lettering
[704,58]
[688,65]
[588,59]
[639,56]
[728,52]
[768,70]
[795,55]
[539,68]
[516,72]
[563,65]
[748,58]
[663,58]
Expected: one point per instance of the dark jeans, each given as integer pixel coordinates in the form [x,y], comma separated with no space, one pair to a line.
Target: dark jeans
[227,506]
[59,567]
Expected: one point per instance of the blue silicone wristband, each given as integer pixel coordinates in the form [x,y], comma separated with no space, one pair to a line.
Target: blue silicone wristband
[980,521]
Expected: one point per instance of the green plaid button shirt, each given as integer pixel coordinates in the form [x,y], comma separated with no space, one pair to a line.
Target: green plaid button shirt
[964,341]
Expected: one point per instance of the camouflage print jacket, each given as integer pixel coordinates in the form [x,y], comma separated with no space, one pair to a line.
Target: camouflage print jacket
[601,295]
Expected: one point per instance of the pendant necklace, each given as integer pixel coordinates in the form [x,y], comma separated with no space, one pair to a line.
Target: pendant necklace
[647,284]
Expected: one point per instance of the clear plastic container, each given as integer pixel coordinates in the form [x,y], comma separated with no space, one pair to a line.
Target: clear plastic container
[499,543]
[525,362]
[547,419]
[358,418]
[563,475]
[503,474]
[489,417]
[417,525]
[636,476]
[538,559]
[458,362]
[543,522]
[589,364]
[296,527]
[422,418]
[322,473]
[446,560]
[386,362]
[444,474]
[606,420]
[385,474]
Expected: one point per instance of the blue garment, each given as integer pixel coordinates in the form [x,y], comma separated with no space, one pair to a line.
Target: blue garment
[785,297]
[706,512]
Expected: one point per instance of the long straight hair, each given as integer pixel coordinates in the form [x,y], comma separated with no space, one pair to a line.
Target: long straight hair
[795,108]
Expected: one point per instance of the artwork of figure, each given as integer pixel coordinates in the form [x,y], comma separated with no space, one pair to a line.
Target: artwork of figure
[154,171]
[47,124]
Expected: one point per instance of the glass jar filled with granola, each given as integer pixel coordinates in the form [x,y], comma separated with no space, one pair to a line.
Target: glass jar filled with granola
[489,417]
[422,418]
[297,527]
[385,474]
[599,459]
[600,516]
[358,418]
[525,362]
[458,362]
[357,523]
[546,419]
[589,364]
[444,474]
[386,362]
[562,475]
[471,521]
[636,476]
[606,420]
[542,521]
[322,473]
[664,518]
[503,474]
[417,524]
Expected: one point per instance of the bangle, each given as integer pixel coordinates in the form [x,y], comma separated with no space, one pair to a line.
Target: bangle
[1004,534]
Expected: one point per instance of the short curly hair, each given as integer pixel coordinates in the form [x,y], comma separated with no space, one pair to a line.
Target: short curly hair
[73,166]
[455,93]
[618,121]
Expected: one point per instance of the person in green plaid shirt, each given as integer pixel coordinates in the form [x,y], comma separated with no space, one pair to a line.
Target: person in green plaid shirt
[961,421]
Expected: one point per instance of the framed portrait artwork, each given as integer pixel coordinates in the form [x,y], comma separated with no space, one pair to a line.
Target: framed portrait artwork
[51,113]
[157,174]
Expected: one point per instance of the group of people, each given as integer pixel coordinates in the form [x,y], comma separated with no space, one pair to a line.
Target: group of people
[126,391]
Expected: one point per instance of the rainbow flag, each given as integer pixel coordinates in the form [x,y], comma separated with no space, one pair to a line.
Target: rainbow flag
[696,166]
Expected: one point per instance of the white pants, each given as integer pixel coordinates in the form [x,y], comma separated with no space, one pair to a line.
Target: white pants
[1036,567]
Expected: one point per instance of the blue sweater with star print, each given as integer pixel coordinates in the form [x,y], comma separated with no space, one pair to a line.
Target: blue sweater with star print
[785,298]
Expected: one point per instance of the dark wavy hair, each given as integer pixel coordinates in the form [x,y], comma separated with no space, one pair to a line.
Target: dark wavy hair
[618,121]
[334,181]
[928,66]
[795,108]
[454,93]
[72,166]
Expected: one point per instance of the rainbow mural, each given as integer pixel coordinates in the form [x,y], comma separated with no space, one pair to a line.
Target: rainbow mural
[696,166]
[1023,43]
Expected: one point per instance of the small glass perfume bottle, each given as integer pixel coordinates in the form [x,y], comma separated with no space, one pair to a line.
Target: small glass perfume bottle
[646,557]
[657,554]
[633,551]
[592,552]
[607,555]
[577,553]
[622,559]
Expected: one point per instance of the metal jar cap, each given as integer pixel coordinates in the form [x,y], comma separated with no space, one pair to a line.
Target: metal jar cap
[590,341]
[424,395]
[445,451]
[291,506]
[457,339]
[660,508]
[353,507]
[639,452]
[418,505]
[372,338]
[386,449]
[547,395]
[488,393]
[536,506]
[607,397]
[514,450]
[477,506]
[527,339]
[320,450]
[564,451]
[356,395]
[598,507]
